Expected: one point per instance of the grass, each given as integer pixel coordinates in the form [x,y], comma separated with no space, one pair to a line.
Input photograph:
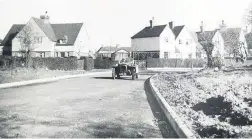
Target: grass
[21,74]
[212,104]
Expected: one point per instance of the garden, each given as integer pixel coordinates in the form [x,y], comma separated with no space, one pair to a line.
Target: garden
[213,104]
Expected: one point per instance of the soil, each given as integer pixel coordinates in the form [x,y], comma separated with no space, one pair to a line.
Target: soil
[212,104]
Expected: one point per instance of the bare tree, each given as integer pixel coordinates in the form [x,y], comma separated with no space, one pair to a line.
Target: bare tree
[205,39]
[26,39]
[233,46]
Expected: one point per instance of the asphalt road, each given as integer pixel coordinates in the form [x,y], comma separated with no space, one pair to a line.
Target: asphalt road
[87,107]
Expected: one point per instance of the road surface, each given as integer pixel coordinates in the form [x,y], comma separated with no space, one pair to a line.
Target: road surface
[92,106]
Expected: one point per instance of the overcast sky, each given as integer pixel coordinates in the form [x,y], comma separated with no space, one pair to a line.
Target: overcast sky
[115,21]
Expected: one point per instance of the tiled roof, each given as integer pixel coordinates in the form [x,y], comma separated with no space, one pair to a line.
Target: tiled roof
[128,49]
[155,31]
[114,49]
[47,28]
[231,36]
[176,30]
[7,41]
[53,31]
[71,30]
[206,35]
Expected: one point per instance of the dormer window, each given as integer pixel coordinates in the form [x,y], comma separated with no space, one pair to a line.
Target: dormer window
[63,40]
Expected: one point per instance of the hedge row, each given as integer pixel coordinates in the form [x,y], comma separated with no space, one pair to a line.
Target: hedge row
[88,63]
[104,63]
[175,63]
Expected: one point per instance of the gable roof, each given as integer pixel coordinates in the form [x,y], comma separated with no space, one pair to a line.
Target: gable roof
[177,29]
[107,48]
[53,31]
[114,49]
[206,35]
[47,28]
[71,30]
[128,49]
[155,31]
[231,36]
[7,41]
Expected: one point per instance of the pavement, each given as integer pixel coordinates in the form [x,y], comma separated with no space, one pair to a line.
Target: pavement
[86,107]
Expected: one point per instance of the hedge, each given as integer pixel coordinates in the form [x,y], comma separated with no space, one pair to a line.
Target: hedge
[175,63]
[88,63]
[37,62]
[104,63]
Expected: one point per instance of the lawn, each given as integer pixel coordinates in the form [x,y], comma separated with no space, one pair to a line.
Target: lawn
[212,104]
[21,74]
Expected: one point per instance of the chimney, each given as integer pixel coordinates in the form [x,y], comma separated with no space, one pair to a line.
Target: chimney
[201,27]
[171,25]
[45,17]
[151,24]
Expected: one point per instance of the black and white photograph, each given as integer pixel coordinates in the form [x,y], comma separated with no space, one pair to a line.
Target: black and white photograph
[126,69]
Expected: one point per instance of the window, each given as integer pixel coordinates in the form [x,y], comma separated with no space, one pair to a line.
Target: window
[166,55]
[166,39]
[190,55]
[68,54]
[41,54]
[57,54]
[38,40]
[62,54]
[180,41]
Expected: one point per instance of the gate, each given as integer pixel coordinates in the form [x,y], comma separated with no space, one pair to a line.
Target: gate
[140,58]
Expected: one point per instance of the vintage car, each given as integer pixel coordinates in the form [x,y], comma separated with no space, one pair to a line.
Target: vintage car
[125,69]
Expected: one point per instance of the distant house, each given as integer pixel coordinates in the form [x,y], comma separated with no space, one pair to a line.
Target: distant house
[234,39]
[249,42]
[49,40]
[164,41]
[214,37]
[116,53]
[185,42]
[154,42]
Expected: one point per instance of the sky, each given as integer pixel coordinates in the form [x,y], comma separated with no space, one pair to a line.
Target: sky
[111,22]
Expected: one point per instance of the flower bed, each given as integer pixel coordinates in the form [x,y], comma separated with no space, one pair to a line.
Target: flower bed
[212,104]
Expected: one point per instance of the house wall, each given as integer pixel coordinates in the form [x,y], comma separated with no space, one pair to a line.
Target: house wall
[82,44]
[187,45]
[218,42]
[167,46]
[145,44]
[243,39]
[46,46]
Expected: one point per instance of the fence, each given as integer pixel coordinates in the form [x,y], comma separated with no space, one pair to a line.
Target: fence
[175,63]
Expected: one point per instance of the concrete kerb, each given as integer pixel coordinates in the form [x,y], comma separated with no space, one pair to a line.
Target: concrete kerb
[180,128]
[47,80]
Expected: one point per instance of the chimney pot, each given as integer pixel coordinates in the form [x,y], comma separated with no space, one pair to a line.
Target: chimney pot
[202,27]
[171,25]
[151,24]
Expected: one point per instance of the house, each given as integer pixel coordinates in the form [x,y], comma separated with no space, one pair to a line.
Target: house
[213,36]
[48,40]
[116,53]
[249,42]
[164,41]
[185,42]
[154,42]
[234,41]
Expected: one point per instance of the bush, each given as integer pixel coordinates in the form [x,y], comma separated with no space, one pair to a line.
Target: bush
[88,63]
[175,63]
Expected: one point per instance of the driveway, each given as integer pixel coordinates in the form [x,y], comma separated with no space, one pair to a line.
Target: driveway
[86,107]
